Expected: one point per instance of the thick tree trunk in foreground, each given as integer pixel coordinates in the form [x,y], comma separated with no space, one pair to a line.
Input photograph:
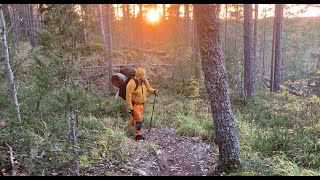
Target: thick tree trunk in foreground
[216,82]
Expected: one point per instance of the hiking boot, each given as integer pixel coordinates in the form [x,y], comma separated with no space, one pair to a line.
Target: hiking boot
[140,138]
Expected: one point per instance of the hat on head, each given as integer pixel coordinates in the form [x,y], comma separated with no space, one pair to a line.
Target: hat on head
[140,72]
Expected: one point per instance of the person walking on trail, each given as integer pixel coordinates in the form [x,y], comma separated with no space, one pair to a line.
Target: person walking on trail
[136,96]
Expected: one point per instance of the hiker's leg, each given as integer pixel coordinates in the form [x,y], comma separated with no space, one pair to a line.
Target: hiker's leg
[138,129]
[137,116]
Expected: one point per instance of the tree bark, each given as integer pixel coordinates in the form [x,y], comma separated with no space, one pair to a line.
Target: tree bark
[16,26]
[6,13]
[235,54]
[196,49]
[186,19]
[225,28]
[130,26]
[143,41]
[84,19]
[255,37]
[32,36]
[264,44]
[40,18]
[272,57]
[216,82]
[7,61]
[103,34]
[124,18]
[175,20]
[248,53]
[110,47]
[126,25]
[278,46]
[236,31]
[23,10]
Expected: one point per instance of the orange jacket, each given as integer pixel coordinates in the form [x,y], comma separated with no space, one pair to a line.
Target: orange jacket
[138,96]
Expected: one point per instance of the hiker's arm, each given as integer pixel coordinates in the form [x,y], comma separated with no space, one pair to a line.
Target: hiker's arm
[149,88]
[129,90]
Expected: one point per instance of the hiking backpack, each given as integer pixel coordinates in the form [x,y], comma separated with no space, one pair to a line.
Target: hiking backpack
[122,78]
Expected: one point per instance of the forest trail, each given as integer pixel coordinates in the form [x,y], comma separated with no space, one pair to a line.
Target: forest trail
[165,153]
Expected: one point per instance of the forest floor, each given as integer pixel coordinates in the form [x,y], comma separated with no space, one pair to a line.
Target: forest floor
[165,153]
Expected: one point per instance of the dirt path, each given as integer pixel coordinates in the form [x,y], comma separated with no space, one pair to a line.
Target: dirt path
[165,153]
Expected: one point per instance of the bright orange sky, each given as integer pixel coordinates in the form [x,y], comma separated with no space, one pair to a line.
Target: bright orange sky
[293,8]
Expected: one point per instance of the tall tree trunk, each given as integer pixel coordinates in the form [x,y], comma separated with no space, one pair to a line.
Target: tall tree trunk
[6,13]
[134,27]
[248,53]
[16,26]
[110,47]
[24,12]
[255,37]
[225,28]
[196,49]
[216,82]
[175,28]
[186,19]
[235,54]
[124,19]
[84,20]
[118,39]
[41,23]
[118,11]
[126,25]
[8,19]
[143,40]
[7,61]
[272,56]
[32,35]
[38,18]
[236,31]
[103,34]
[264,43]
[278,47]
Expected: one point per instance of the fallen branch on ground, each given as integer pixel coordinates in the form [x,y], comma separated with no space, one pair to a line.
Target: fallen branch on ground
[291,91]
[14,169]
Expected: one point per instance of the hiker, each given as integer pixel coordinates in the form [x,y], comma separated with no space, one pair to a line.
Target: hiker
[136,98]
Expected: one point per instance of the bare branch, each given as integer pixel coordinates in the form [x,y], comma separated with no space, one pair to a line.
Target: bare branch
[14,168]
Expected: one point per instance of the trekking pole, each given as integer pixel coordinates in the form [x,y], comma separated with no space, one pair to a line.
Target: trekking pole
[154,102]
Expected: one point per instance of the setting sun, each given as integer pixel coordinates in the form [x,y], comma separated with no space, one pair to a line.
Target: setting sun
[153,15]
